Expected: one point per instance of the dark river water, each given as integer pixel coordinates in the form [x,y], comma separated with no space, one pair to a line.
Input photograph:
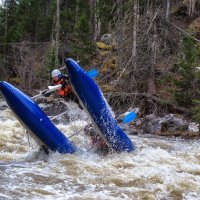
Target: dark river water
[160,168]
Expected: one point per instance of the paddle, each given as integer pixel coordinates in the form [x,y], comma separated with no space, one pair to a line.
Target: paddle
[92,73]
[129,117]
[54,87]
[51,89]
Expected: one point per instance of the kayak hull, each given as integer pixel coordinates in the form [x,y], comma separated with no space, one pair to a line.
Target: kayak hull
[99,111]
[35,120]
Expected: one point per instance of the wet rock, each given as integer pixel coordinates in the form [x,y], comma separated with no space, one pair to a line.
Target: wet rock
[151,124]
[62,111]
[193,127]
[169,123]
[53,107]
[172,123]
[3,105]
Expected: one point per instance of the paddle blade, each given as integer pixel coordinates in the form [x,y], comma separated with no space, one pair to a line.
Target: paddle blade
[129,117]
[55,87]
[92,73]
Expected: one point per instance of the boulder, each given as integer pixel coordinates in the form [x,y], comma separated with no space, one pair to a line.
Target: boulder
[172,123]
[109,66]
[151,124]
[103,46]
[107,38]
[159,125]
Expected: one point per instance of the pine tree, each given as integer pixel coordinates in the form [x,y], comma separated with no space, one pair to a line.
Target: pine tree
[188,76]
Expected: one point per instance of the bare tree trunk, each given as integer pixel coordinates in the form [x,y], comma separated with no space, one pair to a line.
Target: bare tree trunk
[92,19]
[6,25]
[119,33]
[47,7]
[148,7]
[167,19]
[151,86]
[135,11]
[5,35]
[57,32]
[97,22]
[134,46]
[192,4]
[167,10]
[77,10]
[36,29]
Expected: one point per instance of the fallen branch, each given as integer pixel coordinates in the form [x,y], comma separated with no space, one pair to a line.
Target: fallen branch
[181,30]
[151,97]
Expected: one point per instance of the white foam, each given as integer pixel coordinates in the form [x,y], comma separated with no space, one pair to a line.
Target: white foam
[160,168]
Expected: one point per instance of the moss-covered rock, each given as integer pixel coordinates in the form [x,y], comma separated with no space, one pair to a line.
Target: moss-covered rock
[103,46]
[109,66]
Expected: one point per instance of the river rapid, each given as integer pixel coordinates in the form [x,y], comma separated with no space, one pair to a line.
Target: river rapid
[160,168]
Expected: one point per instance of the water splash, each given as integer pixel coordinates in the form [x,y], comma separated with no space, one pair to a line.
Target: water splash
[160,168]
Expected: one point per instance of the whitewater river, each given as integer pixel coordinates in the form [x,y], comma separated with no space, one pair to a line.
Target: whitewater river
[160,168]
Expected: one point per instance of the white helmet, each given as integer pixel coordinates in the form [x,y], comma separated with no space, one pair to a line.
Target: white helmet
[55,72]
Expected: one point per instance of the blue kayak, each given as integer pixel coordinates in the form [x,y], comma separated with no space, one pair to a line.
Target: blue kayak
[35,120]
[92,99]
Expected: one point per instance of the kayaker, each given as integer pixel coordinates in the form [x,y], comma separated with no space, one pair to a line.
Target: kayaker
[65,91]
[58,78]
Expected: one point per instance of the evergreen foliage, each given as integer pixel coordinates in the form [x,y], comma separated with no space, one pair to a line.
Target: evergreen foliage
[34,22]
[188,75]
[106,13]
[144,39]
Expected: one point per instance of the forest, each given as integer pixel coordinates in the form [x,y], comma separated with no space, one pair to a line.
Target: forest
[147,52]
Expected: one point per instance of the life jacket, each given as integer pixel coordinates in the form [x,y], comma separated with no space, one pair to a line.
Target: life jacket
[64,90]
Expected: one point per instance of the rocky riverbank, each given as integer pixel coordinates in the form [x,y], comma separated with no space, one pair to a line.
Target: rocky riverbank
[168,125]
